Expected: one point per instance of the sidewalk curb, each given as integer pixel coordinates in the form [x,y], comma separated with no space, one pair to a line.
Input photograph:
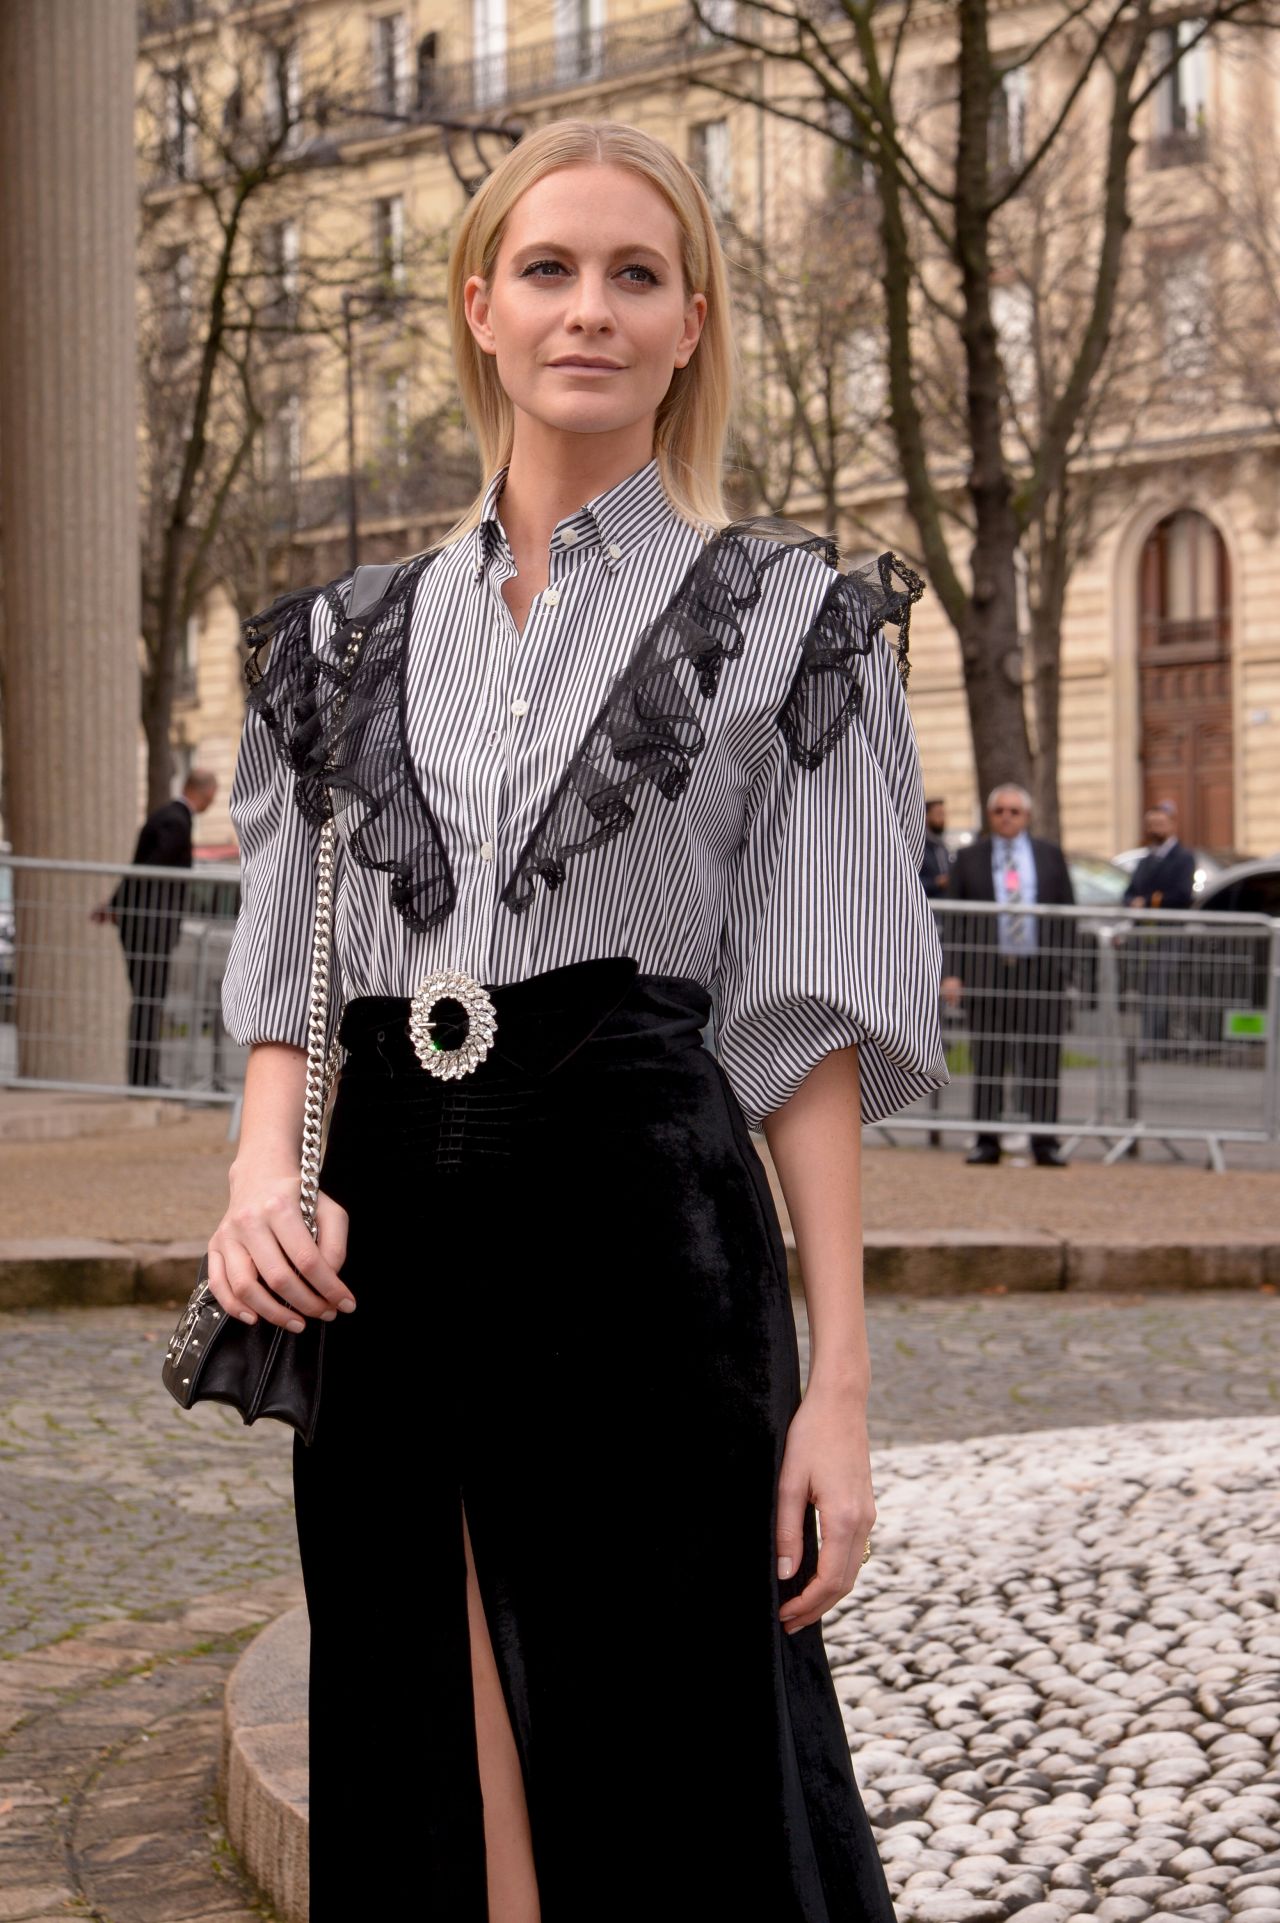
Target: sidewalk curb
[47,1274]
[75,1272]
[951,1262]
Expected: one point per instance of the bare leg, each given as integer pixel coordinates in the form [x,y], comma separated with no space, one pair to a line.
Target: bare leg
[513,1886]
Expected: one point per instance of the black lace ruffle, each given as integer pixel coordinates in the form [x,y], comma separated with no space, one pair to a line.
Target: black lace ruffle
[344,734]
[825,694]
[342,731]
[649,730]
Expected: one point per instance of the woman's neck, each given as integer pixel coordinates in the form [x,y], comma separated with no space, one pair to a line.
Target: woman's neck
[551,475]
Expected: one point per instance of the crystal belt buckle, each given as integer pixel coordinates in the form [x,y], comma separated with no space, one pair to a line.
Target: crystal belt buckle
[450,984]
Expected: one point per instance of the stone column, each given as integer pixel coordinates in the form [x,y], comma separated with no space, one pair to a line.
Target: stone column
[69,509]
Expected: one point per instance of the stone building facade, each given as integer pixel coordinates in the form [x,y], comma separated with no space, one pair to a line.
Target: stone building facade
[1171,640]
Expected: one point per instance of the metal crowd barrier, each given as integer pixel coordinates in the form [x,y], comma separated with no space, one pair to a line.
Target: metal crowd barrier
[1116,1023]
[111,979]
[1067,1023]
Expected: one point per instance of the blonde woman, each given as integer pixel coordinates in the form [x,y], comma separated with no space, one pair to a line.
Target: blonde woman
[613,761]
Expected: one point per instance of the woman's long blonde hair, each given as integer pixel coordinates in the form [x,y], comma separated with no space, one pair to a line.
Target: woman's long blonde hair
[693,418]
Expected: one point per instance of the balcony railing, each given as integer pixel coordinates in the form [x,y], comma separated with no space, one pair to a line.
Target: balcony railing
[569,60]
[1178,147]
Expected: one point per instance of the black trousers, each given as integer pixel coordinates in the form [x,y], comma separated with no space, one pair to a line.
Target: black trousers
[149,980]
[574,1322]
[1016,1027]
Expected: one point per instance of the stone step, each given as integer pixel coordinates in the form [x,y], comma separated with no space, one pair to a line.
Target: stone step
[262,1775]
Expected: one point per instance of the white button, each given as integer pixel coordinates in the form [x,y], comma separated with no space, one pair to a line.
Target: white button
[519,707]
[570,537]
[486,851]
[552,597]
[615,552]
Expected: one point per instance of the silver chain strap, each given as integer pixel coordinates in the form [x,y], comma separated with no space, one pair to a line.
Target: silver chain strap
[322,1062]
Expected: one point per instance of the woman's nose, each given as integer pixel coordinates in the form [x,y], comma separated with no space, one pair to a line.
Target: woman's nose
[589,308]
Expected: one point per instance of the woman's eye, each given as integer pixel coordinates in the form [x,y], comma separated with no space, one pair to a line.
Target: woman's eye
[549,267]
[647,273]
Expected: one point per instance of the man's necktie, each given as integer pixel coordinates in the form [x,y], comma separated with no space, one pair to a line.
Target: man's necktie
[1015,926]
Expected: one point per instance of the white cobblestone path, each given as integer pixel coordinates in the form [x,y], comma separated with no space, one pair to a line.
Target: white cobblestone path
[1061,1675]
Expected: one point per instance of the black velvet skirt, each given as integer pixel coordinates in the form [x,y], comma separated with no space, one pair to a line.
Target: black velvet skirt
[574,1322]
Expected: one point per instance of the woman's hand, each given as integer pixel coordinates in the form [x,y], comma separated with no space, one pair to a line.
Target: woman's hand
[262,1244]
[826,1461]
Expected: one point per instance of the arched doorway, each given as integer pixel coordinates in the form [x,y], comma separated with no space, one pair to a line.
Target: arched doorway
[1184,667]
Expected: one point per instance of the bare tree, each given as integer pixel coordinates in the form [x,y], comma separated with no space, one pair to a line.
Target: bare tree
[813,399]
[241,315]
[948,171]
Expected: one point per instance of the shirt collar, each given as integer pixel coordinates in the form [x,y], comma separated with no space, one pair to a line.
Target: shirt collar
[616,521]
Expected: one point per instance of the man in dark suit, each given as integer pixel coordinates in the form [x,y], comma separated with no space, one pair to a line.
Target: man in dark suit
[1011,969]
[935,869]
[148,915]
[1164,878]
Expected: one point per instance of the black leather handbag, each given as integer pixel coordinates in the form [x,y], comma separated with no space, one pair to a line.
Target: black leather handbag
[260,1368]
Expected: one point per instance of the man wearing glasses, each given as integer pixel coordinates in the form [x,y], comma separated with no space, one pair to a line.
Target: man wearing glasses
[1011,970]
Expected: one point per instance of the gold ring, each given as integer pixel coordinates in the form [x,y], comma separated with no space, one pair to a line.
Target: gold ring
[866,1554]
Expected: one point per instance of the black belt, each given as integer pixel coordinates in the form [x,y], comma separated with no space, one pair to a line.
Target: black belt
[540,1021]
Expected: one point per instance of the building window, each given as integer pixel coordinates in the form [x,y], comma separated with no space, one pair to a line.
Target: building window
[284,443]
[1182,96]
[489,49]
[188,657]
[178,307]
[718,16]
[866,376]
[1013,316]
[428,61]
[390,57]
[1186,591]
[1007,125]
[712,161]
[1186,314]
[388,245]
[394,430]
[579,27]
[282,91]
[180,148]
[280,269]
[853,173]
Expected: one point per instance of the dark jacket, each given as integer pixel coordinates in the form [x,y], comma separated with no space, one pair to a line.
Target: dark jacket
[935,869]
[148,914]
[1164,881]
[968,939]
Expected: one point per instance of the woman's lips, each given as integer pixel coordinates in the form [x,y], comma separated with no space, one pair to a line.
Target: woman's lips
[586,367]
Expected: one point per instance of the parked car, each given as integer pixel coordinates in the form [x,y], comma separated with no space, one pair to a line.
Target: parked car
[1248,888]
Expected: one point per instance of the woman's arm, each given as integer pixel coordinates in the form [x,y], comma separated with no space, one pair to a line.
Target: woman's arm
[815,1139]
[262,1238]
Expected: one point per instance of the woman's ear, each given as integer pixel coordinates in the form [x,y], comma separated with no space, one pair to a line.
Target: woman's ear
[695,315]
[475,305]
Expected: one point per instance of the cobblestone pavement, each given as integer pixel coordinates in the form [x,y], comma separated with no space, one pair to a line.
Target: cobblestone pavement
[1061,1676]
[140,1544]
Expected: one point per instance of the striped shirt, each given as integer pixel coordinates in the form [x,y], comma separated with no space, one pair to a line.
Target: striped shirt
[792,894]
